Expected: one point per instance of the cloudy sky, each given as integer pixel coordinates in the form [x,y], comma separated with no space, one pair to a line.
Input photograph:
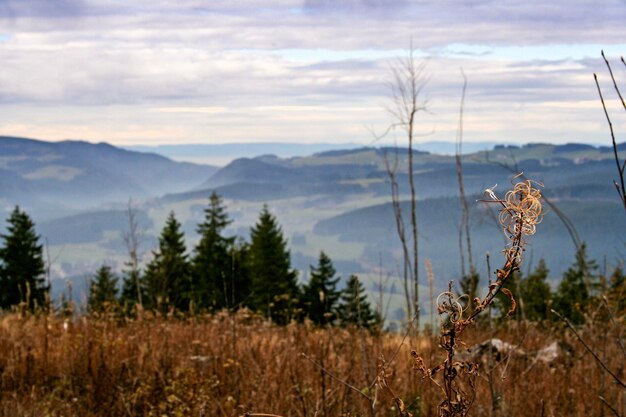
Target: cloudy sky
[225,71]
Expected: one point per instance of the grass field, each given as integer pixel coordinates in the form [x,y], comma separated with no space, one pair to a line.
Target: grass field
[230,365]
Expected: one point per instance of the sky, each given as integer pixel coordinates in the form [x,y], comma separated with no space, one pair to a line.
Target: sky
[150,72]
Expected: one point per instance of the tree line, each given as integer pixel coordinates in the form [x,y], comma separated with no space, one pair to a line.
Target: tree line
[226,272]
[580,291]
[221,272]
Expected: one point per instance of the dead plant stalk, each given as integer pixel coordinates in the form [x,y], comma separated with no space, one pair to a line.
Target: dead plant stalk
[520,212]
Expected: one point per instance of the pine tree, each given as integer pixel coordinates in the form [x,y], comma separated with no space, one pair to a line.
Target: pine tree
[167,276]
[133,289]
[536,293]
[212,263]
[354,307]
[320,295]
[274,283]
[102,290]
[238,281]
[574,291]
[21,264]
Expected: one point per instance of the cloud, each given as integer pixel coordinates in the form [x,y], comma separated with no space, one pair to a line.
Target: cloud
[105,65]
[42,8]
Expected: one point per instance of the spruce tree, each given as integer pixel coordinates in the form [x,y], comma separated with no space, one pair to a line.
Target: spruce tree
[574,291]
[167,276]
[536,293]
[21,264]
[102,291]
[133,289]
[238,281]
[274,283]
[354,308]
[320,295]
[212,263]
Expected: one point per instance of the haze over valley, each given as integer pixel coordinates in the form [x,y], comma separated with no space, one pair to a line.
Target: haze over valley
[336,200]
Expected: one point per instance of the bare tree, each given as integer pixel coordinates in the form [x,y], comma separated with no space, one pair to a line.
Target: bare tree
[407,101]
[132,239]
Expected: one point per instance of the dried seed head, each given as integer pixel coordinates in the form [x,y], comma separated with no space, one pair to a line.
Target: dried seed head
[520,213]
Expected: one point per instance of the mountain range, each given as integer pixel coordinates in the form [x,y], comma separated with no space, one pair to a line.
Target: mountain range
[336,200]
[51,179]
[224,153]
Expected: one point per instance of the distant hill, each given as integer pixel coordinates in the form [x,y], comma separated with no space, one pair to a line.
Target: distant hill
[600,225]
[336,200]
[50,177]
[575,170]
[89,226]
[222,154]
[577,178]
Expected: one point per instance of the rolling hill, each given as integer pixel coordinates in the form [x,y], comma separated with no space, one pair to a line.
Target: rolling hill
[335,200]
[50,178]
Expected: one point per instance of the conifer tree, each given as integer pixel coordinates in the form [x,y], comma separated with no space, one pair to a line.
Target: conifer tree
[574,291]
[102,290]
[616,292]
[273,282]
[237,285]
[536,293]
[212,263]
[354,307]
[167,276]
[21,264]
[133,288]
[320,295]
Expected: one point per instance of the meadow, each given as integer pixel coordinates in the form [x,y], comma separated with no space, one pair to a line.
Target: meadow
[238,364]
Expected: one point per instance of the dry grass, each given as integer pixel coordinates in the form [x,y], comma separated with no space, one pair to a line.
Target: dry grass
[229,365]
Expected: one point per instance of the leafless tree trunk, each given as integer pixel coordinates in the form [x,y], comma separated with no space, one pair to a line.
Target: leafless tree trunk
[407,277]
[464,226]
[407,97]
[132,239]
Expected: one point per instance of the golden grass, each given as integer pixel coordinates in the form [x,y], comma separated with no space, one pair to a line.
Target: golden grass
[228,365]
